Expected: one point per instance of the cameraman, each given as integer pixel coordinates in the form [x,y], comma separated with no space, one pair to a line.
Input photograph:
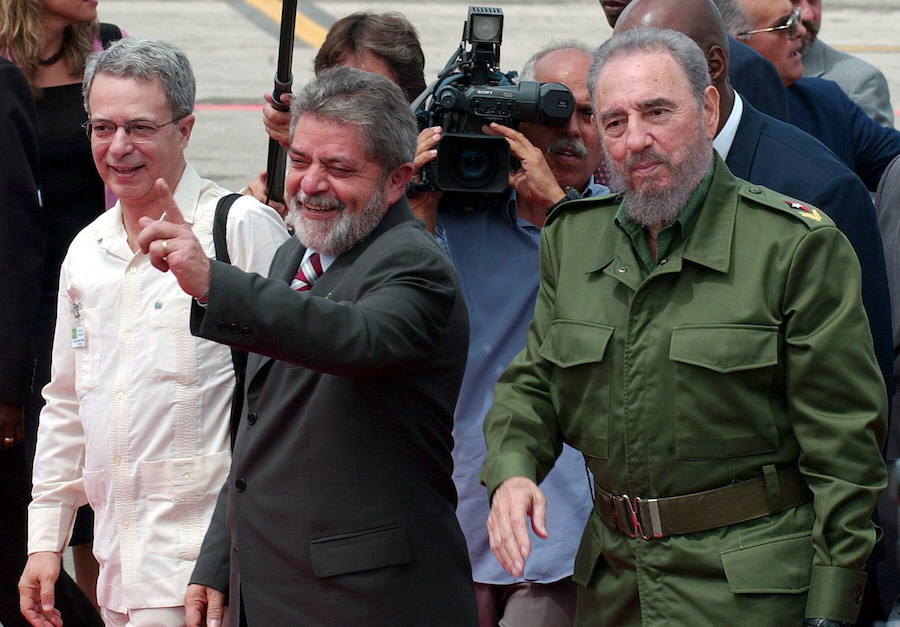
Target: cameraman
[495,252]
[381,43]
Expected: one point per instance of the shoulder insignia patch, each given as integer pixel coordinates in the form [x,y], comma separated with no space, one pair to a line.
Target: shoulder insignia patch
[803,211]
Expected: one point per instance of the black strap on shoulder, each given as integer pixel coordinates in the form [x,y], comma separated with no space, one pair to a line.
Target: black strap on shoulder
[109,33]
[238,357]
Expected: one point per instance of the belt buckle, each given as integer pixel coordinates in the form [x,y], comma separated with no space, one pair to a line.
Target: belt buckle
[633,504]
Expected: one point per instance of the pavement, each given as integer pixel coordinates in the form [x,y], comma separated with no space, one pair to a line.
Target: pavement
[233,47]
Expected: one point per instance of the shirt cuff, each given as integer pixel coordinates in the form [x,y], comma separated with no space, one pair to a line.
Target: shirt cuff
[49,528]
[835,593]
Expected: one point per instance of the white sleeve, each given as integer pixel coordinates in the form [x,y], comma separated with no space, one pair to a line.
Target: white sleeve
[58,489]
[253,233]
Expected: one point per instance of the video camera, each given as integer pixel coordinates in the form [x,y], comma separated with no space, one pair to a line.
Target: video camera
[471,92]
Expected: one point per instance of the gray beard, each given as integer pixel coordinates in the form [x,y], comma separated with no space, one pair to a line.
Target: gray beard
[653,207]
[334,239]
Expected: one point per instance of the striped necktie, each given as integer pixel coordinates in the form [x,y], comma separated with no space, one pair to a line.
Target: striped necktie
[308,273]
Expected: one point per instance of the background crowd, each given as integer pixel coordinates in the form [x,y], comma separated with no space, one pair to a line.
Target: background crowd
[781,124]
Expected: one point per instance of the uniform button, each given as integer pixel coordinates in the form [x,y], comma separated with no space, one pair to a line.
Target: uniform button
[117,460]
[663,261]
[755,190]
[186,476]
[245,331]
[126,524]
[240,484]
[132,270]
[621,269]
[235,327]
[223,326]
[858,597]
[126,333]
[251,417]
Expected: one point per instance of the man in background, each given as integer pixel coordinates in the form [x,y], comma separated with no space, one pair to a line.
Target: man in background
[864,83]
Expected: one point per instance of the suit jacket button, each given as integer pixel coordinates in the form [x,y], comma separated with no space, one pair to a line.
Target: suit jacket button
[245,331]
[240,484]
[235,327]
[251,417]
[223,325]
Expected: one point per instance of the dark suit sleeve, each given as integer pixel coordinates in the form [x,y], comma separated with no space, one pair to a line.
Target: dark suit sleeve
[756,79]
[212,564]
[874,145]
[391,317]
[854,215]
[22,234]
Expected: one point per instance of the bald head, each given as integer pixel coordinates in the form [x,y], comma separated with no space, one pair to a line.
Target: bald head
[698,19]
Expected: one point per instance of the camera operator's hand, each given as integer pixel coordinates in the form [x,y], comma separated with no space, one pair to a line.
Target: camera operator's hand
[426,147]
[424,205]
[259,189]
[278,123]
[536,187]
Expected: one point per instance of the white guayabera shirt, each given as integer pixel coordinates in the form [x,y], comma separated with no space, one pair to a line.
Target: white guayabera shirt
[137,414]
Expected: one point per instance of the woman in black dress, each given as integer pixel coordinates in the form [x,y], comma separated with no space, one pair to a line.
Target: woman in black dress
[49,40]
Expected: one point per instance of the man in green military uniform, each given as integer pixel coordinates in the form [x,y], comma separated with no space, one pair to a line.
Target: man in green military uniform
[702,342]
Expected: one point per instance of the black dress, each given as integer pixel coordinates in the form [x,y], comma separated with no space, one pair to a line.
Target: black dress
[73,197]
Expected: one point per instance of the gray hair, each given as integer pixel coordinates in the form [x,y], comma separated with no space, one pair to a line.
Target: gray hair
[679,46]
[736,20]
[146,60]
[527,73]
[370,102]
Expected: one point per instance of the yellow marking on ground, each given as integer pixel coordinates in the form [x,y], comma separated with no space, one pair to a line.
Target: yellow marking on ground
[869,48]
[306,30]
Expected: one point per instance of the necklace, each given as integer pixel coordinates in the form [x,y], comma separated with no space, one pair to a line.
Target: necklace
[51,60]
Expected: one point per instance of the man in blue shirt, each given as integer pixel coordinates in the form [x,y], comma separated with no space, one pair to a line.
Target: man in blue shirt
[495,252]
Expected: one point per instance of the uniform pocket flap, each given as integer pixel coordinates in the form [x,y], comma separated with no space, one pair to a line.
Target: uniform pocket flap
[780,566]
[359,551]
[574,342]
[725,347]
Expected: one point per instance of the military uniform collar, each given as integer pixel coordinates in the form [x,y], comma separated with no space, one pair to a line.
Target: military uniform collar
[708,243]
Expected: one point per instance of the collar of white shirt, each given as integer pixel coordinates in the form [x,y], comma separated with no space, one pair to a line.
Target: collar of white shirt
[722,142]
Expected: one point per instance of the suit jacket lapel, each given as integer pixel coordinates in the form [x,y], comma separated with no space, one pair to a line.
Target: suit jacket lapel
[743,148]
[284,267]
[289,256]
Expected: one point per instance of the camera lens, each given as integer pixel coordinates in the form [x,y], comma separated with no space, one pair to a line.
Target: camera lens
[472,163]
[474,168]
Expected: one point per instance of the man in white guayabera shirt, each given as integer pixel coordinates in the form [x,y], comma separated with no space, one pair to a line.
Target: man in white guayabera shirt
[137,414]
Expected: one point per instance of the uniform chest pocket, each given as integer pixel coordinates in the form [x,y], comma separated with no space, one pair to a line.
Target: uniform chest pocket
[581,382]
[724,375]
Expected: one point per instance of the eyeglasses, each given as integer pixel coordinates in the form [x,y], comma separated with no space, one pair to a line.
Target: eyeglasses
[138,131]
[790,25]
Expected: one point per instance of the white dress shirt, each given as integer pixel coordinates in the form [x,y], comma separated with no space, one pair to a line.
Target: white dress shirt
[137,415]
[724,138]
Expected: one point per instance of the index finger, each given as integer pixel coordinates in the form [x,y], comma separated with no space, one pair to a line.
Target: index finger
[166,201]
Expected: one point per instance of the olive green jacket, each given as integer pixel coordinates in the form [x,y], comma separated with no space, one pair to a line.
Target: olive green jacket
[747,347]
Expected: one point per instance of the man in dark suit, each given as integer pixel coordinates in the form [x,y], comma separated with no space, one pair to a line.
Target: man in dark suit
[340,497]
[818,106]
[749,72]
[22,241]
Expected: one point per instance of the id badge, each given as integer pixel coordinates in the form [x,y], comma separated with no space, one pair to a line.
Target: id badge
[79,337]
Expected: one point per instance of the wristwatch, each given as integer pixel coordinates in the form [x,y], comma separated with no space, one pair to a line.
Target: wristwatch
[571,194]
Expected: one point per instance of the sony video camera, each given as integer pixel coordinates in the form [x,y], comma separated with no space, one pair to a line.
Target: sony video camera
[471,92]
